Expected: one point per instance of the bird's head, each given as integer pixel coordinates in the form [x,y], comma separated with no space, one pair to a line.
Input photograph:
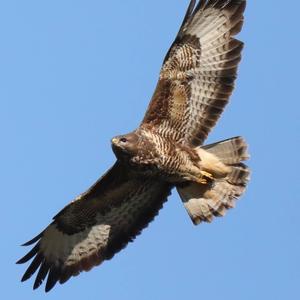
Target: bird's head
[125,145]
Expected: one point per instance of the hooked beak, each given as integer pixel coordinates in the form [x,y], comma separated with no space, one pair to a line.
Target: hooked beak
[114,141]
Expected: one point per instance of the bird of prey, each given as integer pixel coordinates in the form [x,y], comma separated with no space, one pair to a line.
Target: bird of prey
[166,151]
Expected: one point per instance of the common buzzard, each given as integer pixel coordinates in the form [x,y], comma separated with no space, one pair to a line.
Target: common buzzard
[195,83]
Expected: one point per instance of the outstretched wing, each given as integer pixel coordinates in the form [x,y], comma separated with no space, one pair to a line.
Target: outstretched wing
[95,226]
[198,74]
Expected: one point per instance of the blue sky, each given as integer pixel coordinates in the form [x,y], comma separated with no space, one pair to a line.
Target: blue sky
[75,73]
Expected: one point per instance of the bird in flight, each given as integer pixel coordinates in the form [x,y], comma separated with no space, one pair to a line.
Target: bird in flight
[166,151]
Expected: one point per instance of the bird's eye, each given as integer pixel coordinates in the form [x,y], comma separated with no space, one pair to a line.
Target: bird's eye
[123,140]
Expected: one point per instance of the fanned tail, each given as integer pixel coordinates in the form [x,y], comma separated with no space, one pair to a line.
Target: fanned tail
[204,201]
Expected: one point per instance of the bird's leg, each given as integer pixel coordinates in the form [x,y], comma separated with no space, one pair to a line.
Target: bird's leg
[204,177]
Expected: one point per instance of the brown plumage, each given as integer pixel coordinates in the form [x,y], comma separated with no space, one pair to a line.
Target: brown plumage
[195,83]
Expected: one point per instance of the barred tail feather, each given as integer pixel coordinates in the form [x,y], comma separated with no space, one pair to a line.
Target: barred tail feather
[231,151]
[204,202]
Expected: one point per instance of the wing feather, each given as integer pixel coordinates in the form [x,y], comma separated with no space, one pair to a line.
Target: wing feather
[95,226]
[198,73]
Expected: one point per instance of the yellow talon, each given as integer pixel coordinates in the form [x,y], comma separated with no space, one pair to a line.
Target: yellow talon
[204,177]
[202,181]
[206,174]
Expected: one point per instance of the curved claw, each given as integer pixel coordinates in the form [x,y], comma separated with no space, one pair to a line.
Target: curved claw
[206,174]
[205,177]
